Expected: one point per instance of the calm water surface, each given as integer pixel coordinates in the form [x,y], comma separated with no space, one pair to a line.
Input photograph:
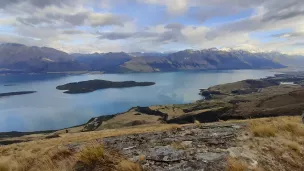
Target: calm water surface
[51,109]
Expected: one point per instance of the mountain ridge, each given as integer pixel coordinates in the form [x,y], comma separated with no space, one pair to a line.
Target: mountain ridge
[44,59]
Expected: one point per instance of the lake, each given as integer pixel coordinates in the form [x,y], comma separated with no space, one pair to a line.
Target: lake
[51,109]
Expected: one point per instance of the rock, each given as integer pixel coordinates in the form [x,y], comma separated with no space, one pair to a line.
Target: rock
[186,144]
[165,154]
[94,123]
[210,156]
[303,117]
[203,148]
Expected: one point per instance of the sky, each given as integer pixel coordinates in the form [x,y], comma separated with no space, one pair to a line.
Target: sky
[88,26]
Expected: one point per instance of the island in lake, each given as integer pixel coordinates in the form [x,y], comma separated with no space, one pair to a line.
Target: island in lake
[92,85]
[16,93]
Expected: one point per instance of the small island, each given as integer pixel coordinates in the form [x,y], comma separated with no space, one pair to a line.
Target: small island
[16,93]
[92,85]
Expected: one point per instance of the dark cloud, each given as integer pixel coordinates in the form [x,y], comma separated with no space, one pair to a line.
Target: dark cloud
[115,35]
[72,32]
[290,35]
[77,19]
[175,26]
[283,15]
[36,3]
[298,44]
[126,35]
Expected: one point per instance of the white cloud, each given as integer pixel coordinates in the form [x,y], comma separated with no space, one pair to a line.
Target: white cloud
[91,25]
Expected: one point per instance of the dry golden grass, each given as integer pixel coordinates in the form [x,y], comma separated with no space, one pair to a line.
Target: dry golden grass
[126,165]
[236,165]
[91,154]
[178,145]
[277,142]
[4,166]
[293,146]
[197,122]
[260,130]
[51,154]
[95,157]
[268,127]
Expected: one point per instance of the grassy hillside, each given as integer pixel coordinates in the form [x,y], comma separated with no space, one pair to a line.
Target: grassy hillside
[264,144]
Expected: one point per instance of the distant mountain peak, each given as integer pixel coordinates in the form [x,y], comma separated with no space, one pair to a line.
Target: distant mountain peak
[12,44]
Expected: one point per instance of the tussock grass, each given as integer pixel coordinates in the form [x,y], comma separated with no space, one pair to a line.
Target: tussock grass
[92,154]
[234,164]
[277,142]
[261,130]
[197,122]
[271,126]
[294,128]
[126,165]
[293,146]
[51,154]
[4,166]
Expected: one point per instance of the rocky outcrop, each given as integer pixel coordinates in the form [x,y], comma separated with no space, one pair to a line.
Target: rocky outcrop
[188,148]
[191,148]
[94,123]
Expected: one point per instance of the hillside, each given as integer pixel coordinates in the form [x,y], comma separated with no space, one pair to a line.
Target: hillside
[259,144]
[17,57]
[182,60]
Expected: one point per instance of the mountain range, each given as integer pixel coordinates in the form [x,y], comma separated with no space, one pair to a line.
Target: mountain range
[22,58]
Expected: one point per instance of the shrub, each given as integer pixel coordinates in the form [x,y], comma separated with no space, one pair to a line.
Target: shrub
[91,155]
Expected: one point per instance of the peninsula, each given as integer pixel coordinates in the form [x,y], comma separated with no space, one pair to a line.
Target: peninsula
[16,93]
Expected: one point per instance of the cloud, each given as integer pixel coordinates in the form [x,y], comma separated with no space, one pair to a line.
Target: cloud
[174,7]
[65,18]
[36,3]
[289,35]
[72,32]
[131,25]
[298,44]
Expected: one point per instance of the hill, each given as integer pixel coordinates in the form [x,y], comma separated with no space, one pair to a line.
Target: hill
[18,57]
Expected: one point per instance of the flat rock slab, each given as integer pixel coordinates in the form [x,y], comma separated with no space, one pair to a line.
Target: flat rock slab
[189,148]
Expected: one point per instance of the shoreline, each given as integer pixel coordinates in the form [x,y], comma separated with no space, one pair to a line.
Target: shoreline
[212,92]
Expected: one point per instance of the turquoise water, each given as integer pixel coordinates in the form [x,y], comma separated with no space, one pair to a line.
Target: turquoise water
[51,109]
